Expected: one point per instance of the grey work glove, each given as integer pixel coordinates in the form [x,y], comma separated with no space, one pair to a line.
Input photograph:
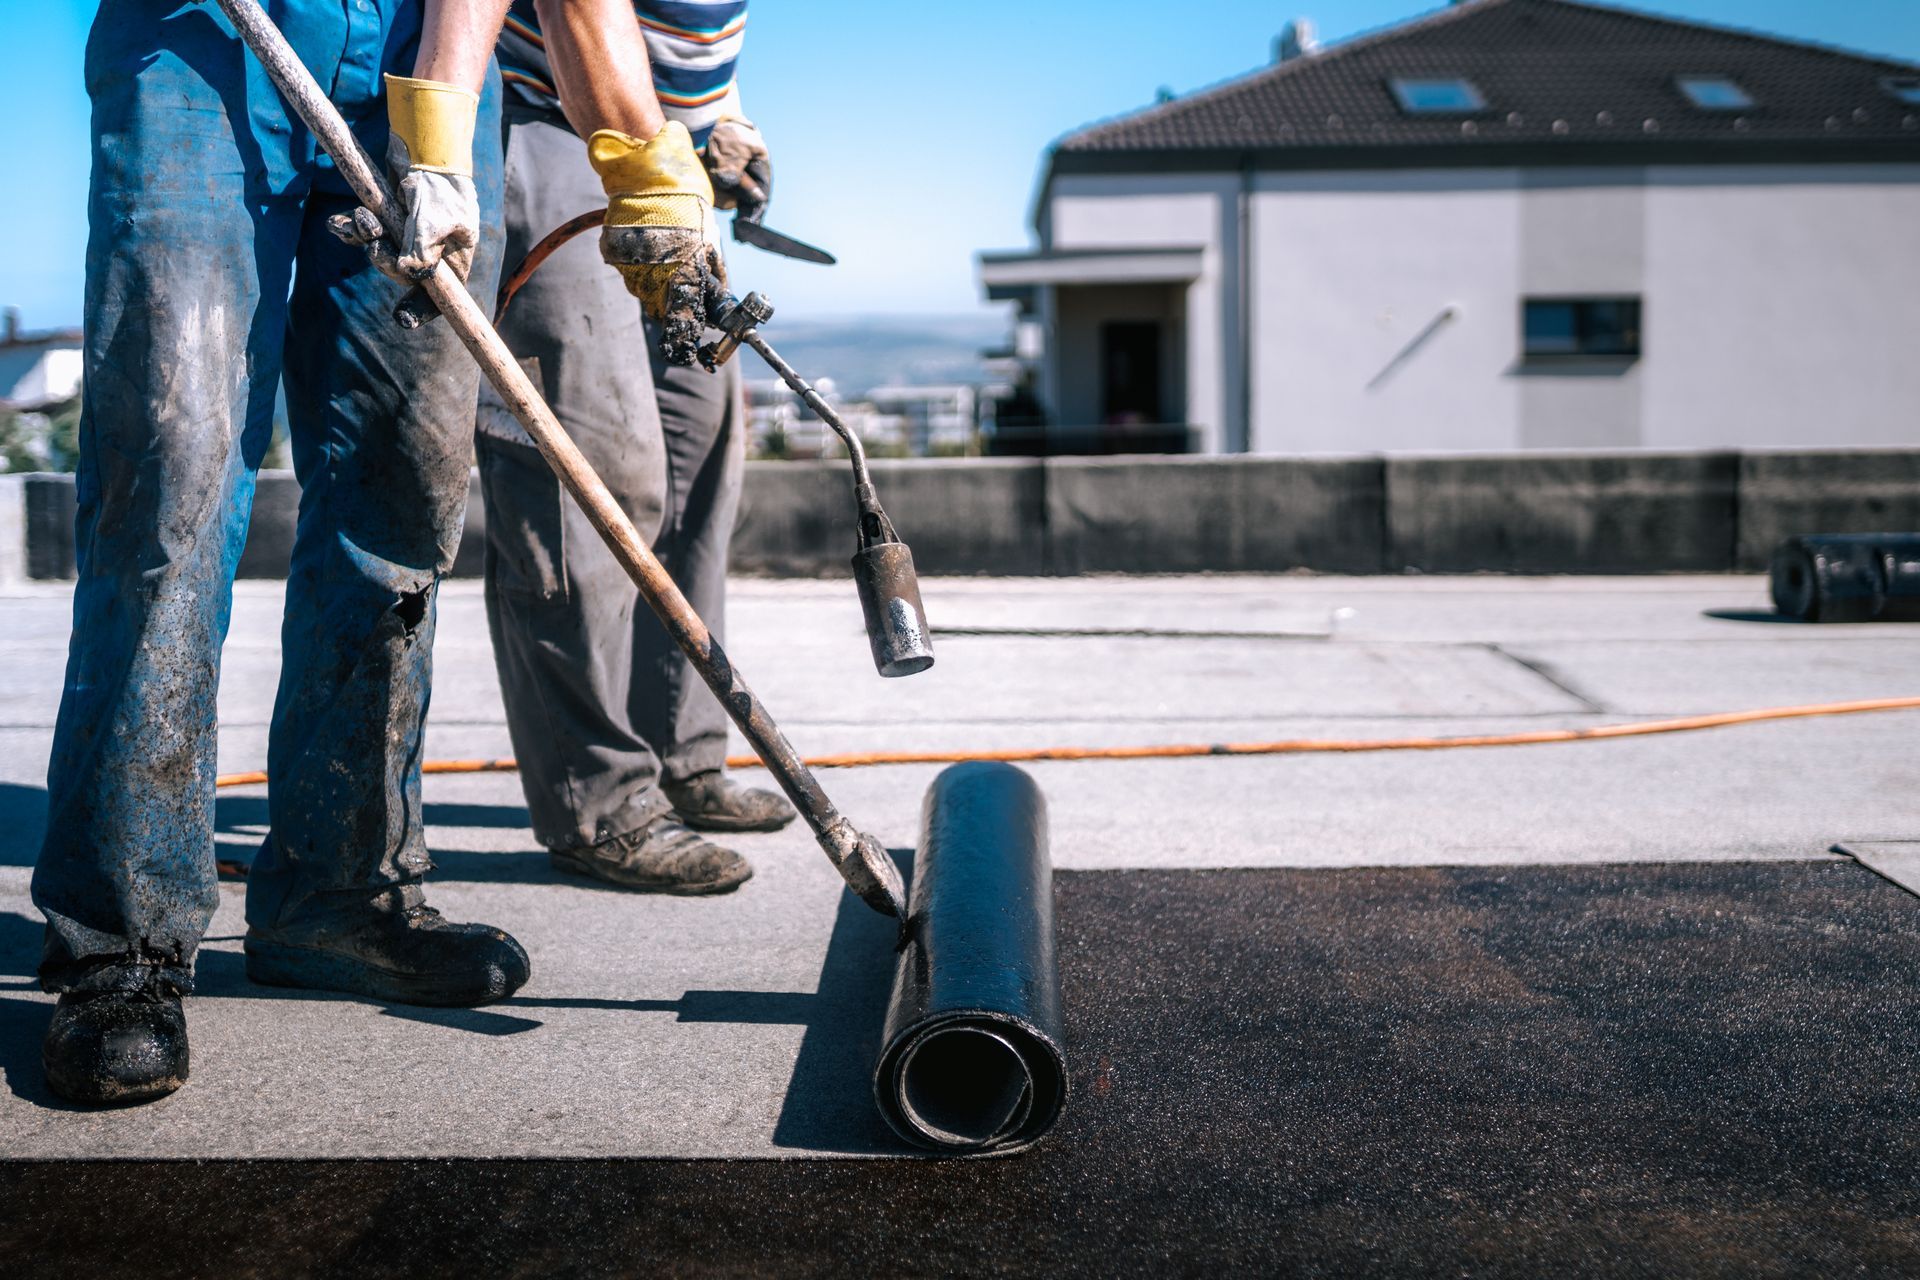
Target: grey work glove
[443,225]
[739,166]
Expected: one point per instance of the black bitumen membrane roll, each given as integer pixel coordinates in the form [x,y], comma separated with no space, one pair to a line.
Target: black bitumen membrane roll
[1857,577]
[1620,1070]
[973,1058]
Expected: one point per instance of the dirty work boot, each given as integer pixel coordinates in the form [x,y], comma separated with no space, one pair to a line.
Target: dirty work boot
[112,1047]
[661,857]
[715,802]
[413,956]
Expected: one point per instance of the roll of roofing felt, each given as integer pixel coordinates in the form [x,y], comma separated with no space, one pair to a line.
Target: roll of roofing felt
[974,1058]
[1862,577]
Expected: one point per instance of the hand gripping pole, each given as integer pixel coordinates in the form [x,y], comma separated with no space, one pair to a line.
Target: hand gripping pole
[861,860]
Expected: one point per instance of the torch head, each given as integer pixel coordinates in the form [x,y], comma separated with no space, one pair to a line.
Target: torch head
[890,597]
[867,867]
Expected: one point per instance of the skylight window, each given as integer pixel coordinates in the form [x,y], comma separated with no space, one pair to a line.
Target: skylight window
[1905,88]
[1437,96]
[1714,93]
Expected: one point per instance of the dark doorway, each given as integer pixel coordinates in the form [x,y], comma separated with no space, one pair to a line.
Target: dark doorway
[1130,373]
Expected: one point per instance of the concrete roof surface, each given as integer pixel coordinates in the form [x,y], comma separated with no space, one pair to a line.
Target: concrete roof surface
[741,1026]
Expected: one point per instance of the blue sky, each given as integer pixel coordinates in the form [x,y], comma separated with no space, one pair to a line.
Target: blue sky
[905,136]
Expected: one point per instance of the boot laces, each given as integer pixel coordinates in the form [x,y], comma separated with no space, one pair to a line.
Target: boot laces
[153,988]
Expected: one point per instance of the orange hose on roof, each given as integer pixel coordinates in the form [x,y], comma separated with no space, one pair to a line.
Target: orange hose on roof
[1282,747]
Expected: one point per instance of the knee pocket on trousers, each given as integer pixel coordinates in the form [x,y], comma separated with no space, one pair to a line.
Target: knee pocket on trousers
[526,523]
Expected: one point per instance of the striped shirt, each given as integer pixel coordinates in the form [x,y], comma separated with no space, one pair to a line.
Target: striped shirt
[693,45]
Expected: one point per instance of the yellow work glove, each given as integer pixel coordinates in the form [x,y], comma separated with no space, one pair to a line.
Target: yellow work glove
[660,233]
[430,155]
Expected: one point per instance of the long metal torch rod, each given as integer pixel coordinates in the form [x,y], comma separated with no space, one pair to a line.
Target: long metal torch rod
[814,401]
[874,525]
[861,861]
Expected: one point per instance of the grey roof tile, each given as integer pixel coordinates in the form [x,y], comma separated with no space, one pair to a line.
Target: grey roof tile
[1552,72]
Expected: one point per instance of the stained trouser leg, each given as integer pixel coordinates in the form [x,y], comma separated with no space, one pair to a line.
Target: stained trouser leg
[382,426]
[560,607]
[186,277]
[702,417]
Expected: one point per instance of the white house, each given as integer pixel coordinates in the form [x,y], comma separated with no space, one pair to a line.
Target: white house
[37,369]
[1510,224]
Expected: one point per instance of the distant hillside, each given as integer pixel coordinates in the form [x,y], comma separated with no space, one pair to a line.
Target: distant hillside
[863,352]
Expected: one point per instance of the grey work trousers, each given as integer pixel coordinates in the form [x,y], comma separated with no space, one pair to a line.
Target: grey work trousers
[600,702]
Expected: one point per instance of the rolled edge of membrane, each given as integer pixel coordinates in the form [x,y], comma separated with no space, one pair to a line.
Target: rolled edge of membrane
[973,1060]
[908,1100]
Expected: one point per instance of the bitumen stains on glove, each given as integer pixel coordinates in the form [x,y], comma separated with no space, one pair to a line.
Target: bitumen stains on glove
[678,276]
[660,232]
[443,216]
[430,148]
[430,158]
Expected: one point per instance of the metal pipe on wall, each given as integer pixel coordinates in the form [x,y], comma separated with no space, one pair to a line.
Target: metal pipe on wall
[1243,229]
[974,1057]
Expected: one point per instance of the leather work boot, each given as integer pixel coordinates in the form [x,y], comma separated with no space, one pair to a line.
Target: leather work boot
[662,857]
[109,1048]
[415,956]
[715,802]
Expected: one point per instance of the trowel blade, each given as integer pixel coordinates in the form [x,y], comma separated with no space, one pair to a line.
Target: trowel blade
[749,232]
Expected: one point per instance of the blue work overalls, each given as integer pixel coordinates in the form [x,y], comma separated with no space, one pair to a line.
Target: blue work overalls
[210,275]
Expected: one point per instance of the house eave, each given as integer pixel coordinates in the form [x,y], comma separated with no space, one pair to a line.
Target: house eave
[1476,155]
[1013,275]
[1480,155]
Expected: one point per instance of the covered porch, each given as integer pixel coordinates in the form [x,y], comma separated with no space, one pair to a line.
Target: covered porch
[1108,372]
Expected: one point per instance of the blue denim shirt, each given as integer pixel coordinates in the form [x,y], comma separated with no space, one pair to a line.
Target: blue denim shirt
[347,44]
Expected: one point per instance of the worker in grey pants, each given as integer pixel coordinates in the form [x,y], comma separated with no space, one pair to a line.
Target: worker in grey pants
[620,744]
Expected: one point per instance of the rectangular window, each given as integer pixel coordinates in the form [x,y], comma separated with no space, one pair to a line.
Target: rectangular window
[1555,328]
[1437,96]
[1905,88]
[1714,93]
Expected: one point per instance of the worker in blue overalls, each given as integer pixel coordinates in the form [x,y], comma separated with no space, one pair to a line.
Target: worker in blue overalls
[225,255]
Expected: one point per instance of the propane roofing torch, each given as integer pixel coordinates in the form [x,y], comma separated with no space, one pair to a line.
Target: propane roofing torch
[882,565]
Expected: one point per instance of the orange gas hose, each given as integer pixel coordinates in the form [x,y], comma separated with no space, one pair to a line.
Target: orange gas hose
[1283,747]
[548,245]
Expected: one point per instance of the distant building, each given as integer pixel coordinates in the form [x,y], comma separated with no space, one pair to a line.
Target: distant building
[37,370]
[780,426]
[936,419]
[1509,224]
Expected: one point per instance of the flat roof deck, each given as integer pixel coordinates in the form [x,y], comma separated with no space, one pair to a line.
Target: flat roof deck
[1434,979]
